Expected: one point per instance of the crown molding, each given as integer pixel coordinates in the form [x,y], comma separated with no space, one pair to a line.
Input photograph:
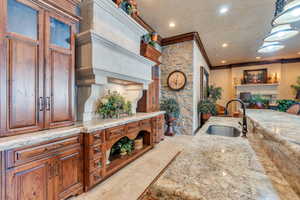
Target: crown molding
[187,37]
[256,63]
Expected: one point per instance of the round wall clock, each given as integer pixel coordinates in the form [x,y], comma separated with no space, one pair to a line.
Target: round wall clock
[176,80]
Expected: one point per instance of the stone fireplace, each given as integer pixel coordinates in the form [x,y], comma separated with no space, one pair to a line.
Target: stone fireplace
[109,57]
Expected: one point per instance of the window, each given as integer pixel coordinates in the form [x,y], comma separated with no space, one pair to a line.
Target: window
[60,33]
[22,19]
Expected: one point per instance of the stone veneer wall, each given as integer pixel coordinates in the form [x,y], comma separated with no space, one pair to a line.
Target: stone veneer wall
[179,57]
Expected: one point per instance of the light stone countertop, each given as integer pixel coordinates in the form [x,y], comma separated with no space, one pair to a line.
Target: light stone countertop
[215,168]
[28,139]
[282,125]
[96,125]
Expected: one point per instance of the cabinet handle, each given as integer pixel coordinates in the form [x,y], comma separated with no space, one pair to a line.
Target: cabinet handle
[41,103]
[48,103]
[97,137]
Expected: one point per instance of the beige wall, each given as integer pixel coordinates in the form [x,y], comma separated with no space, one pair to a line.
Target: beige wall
[287,74]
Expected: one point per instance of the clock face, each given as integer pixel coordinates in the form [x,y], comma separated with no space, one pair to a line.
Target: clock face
[177,80]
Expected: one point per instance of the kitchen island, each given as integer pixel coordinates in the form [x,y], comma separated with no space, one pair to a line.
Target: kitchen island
[214,168]
[279,135]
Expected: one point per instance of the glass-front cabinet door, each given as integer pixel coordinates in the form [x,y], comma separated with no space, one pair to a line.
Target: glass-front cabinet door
[22,109]
[59,50]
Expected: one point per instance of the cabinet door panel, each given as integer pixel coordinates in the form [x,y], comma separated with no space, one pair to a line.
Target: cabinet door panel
[70,173]
[59,71]
[24,69]
[23,84]
[28,183]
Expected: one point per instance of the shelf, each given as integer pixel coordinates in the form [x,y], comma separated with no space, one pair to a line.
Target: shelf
[258,85]
[119,162]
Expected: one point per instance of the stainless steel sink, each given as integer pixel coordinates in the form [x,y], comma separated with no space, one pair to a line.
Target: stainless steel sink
[223,131]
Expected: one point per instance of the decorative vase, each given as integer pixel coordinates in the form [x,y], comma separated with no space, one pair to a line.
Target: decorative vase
[123,153]
[138,144]
[118,2]
[206,116]
[107,156]
[154,36]
[170,122]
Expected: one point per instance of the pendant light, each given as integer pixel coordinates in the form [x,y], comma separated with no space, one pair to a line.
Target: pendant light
[289,14]
[281,32]
[269,47]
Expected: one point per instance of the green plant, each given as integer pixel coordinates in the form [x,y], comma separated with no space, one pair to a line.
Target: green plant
[171,107]
[123,145]
[127,7]
[147,39]
[207,106]
[285,104]
[215,93]
[112,105]
[297,86]
[255,99]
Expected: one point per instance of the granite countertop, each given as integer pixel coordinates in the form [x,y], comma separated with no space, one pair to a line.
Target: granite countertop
[215,168]
[97,125]
[37,137]
[87,127]
[285,127]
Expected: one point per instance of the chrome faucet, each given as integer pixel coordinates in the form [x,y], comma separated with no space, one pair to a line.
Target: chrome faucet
[244,125]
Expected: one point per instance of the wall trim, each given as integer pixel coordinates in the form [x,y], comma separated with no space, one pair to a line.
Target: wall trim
[187,37]
[256,63]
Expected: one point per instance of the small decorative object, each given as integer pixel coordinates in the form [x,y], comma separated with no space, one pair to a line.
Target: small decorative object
[275,78]
[113,105]
[138,143]
[172,109]
[256,76]
[176,80]
[154,37]
[207,108]
[150,39]
[236,81]
[297,88]
[129,6]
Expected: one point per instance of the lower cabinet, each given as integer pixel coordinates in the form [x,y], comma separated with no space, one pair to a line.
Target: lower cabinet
[50,171]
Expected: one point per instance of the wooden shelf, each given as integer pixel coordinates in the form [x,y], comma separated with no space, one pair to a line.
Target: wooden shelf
[119,162]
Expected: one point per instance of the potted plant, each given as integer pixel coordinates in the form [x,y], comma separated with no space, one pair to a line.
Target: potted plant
[113,105]
[214,93]
[297,88]
[171,107]
[207,108]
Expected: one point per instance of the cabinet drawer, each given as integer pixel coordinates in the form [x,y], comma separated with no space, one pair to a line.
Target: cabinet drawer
[145,123]
[115,132]
[95,151]
[95,164]
[95,177]
[22,155]
[133,127]
[95,138]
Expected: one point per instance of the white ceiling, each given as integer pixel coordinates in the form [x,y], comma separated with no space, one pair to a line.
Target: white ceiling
[243,27]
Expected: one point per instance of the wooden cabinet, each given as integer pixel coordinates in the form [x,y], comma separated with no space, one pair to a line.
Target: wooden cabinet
[48,171]
[99,164]
[37,67]
[150,100]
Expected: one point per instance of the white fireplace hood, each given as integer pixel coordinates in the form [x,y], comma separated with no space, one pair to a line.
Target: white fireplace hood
[108,56]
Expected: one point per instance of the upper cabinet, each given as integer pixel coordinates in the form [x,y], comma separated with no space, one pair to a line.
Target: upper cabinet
[37,66]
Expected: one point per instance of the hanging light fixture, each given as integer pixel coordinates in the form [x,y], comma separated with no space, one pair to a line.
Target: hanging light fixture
[281,32]
[287,11]
[269,47]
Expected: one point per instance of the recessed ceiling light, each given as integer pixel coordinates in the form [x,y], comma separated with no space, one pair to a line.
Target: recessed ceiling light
[223,10]
[172,25]
[224,45]
[258,57]
[224,61]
